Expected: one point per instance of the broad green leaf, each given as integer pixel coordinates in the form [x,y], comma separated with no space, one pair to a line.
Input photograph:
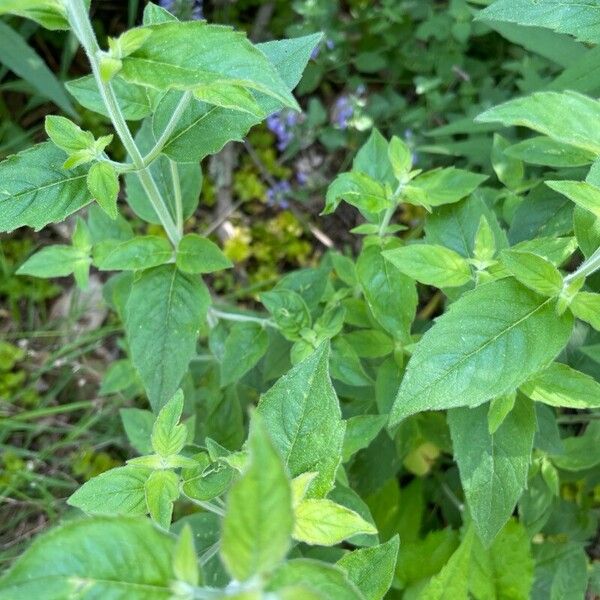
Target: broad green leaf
[582,193]
[545,151]
[370,343]
[138,425]
[489,342]
[565,16]
[361,430]
[509,170]
[197,254]
[189,55]
[18,56]
[232,96]
[135,101]
[581,451]
[498,411]
[54,261]
[586,306]
[359,190]
[555,250]
[162,489]
[446,186]
[577,123]
[300,487]
[451,583]
[168,437]
[36,190]
[185,560]
[98,557]
[323,522]
[244,347]
[206,480]
[103,184]
[190,177]
[136,254]
[48,13]
[302,415]
[205,129]
[484,248]
[119,491]
[587,231]
[391,295]
[560,385]
[163,316]
[431,264]
[119,376]
[533,271]
[400,157]
[493,467]
[66,135]
[372,569]
[258,520]
[329,582]
[373,159]
[505,569]
[154,14]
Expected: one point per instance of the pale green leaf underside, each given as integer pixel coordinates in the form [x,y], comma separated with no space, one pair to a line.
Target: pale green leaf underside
[490,341]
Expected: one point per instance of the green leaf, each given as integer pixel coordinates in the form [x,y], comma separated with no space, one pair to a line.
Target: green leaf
[98,557]
[431,264]
[189,55]
[54,261]
[162,489]
[197,254]
[565,16]
[138,425]
[446,186]
[36,170]
[499,409]
[560,385]
[582,193]
[326,523]
[289,311]
[206,480]
[103,183]
[533,271]
[359,190]
[493,467]
[328,582]
[464,359]
[505,569]
[48,13]
[372,569]
[163,316]
[119,491]
[135,101]
[18,56]
[205,129]
[119,376]
[168,437]
[400,157]
[132,255]
[232,96]
[586,306]
[451,583]
[258,519]
[545,151]
[185,561]
[581,451]
[509,170]
[391,295]
[373,159]
[361,430]
[190,177]
[577,123]
[245,345]
[302,414]
[66,135]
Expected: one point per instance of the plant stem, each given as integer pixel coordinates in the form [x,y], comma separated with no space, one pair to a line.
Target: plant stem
[589,266]
[166,134]
[227,316]
[82,28]
[177,196]
[389,213]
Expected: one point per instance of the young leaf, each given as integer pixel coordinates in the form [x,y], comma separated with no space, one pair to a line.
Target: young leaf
[119,491]
[245,345]
[25,174]
[289,311]
[185,561]
[206,480]
[168,437]
[103,183]
[359,190]
[391,295]
[498,410]
[54,261]
[493,467]
[302,415]
[258,520]
[509,170]
[400,157]
[446,186]
[372,569]
[560,385]
[586,306]
[533,271]
[484,248]
[136,254]
[162,489]
[68,136]
[61,560]
[163,316]
[373,159]
[430,264]
[463,359]
[197,254]
[582,193]
[326,523]
[577,123]
[48,13]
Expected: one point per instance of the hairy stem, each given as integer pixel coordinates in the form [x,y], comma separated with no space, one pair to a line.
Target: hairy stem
[82,28]
[589,266]
[177,196]
[227,316]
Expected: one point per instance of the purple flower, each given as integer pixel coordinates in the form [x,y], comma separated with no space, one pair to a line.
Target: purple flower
[278,194]
[184,9]
[330,44]
[282,125]
[343,110]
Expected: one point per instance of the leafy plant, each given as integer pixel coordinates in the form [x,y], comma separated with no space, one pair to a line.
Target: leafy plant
[356,400]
